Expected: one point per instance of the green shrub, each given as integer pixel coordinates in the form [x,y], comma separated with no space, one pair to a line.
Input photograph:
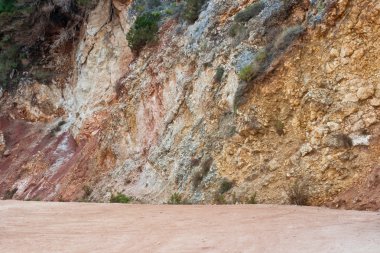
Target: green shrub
[246,73]
[9,61]
[219,74]
[235,29]
[197,178]
[298,194]
[175,199]
[219,199]
[43,76]
[143,6]
[89,4]
[252,199]
[259,63]
[287,36]
[120,198]
[143,31]
[87,190]
[279,127]
[193,9]
[250,12]
[7,6]
[249,72]
[10,193]
[343,140]
[225,186]
[57,128]
[200,174]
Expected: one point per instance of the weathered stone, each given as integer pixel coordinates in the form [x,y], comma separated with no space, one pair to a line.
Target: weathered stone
[334,53]
[2,143]
[7,152]
[360,140]
[333,126]
[375,102]
[350,97]
[370,118]
[365,92]
[99,17]
[305,149]
[273,165]
[358,54]
[346,51]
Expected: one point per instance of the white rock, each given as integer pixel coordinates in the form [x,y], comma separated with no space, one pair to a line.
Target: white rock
[273,165]
[375,102]
[346,51]
[99,17]
[350,98]
[358,54]
[365,92]
[7,152]
[2,142]
[377,93]
[361,140]
[370,118]
[334,53]
[359,125]
[333,126]
[305,149]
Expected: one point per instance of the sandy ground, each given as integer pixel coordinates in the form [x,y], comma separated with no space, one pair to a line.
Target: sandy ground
[81,227]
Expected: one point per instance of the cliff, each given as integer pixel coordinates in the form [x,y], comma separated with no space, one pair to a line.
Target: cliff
[252,99]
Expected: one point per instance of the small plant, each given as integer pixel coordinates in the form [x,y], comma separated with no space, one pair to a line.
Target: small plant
[10,193]
[249,72]
[143,31]
[219,199]
[287,36]
[259,63]
[43,76]
[235,29]
[9,62]
[199,175]
[246,73]
[219,74]
[61,198]
[86,3]
[87,190]
[57,128]
[252,199]
[7,5]
[193,9]
[250,12]
[119,198]
[279,127]
[225,186]
[343,140]
[298,194]
[197,178]
[175,199]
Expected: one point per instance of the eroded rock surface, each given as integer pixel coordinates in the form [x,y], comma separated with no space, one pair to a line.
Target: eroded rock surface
[150,125]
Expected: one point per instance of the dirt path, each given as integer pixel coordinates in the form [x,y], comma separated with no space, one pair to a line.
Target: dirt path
[79,227]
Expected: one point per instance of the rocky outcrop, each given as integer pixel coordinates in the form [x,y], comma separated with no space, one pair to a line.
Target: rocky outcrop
[159,123]
[2,143]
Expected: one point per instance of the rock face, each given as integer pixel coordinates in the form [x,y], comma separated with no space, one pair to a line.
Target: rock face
[2,143]
[158,123]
